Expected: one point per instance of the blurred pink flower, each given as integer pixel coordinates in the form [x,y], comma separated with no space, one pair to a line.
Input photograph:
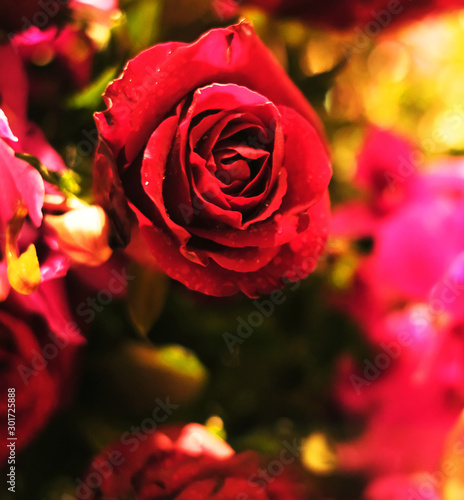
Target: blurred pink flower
[98,11]
[23,190]
[407,297]
[410,392]
[16,16]
[417,238]
[69,50]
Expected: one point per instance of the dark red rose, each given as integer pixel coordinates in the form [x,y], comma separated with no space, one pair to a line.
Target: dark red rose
[211,152]
[186,463]
[341,14]
[38,347]
[20,15]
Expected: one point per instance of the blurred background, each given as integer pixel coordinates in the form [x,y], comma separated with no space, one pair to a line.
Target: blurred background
[256,372]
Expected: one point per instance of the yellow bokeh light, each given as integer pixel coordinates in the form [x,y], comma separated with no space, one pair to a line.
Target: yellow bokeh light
[409,80]
[318,455]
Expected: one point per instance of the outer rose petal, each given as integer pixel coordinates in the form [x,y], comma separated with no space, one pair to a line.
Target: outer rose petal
[152,84]
[210,279]
[296,259]
[193,439]
[293,262]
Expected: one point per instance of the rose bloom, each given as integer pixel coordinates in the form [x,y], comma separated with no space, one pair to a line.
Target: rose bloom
[185,463]
[18,16]
[343,15]
[216,163]
[39,344]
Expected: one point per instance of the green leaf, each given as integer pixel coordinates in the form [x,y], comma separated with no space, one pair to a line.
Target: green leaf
[131,377]
[144,23]
[67,182]
[90,97]
[146,297]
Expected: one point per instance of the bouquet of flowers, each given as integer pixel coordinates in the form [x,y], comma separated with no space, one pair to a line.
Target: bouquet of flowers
[232,249]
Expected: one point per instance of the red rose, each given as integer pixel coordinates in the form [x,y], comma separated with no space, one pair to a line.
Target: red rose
[341,14]
[186,464]
[18,16]
[214,154]
[38,346]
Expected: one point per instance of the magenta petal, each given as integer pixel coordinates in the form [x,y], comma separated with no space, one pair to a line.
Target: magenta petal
[384,158]
[448,292]
[20,181]
[415,247]
[5,131]
[35,143]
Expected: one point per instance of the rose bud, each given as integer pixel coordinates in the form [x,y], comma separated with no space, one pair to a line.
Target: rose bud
[82,234]
[215,157]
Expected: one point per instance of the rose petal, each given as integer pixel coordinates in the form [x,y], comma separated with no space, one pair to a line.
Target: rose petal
[153,173]
[306,163]
[295,260]
[242,260]
[151,84]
